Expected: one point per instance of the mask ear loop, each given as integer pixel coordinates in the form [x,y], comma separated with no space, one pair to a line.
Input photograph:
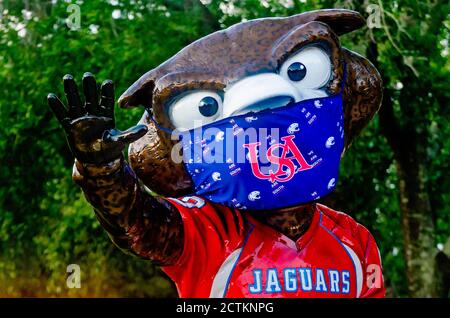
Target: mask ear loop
[150,113]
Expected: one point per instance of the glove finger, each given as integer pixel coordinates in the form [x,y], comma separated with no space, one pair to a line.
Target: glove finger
[58,108]
[72,96]
[90,93]
[107,99]
[128,136]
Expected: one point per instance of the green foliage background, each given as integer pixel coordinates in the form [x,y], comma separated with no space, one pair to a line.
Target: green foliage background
[45,223]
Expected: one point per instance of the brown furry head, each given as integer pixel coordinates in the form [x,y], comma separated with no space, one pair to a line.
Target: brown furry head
[222,58]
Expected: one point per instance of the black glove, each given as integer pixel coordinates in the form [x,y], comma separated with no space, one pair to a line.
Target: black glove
[90,129]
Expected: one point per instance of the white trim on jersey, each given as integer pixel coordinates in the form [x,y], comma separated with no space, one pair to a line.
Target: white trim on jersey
[223,274]
[358,269]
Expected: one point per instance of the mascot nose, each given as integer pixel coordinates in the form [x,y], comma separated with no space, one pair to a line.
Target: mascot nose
[258,92]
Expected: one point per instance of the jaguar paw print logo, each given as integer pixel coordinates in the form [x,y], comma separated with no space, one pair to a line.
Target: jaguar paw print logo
[285,163]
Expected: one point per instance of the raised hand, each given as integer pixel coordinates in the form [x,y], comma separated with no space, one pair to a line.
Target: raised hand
[90,128]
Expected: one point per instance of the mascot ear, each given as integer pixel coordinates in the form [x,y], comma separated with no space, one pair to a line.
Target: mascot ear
[140,93]
[341,21]
[363,94]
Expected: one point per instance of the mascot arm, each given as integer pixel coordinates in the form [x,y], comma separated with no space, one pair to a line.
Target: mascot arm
[136,221]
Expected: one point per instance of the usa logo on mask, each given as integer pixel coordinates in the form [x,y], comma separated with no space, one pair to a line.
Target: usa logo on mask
[285,167]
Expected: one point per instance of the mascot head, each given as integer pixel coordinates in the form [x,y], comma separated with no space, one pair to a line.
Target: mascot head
[289,74]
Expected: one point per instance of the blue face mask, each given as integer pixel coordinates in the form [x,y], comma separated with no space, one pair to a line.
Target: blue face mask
[270,159]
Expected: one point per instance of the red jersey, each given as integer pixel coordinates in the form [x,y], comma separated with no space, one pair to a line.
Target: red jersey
[227,253]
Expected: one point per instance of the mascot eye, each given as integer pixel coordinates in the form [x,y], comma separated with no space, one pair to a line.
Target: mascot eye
[296,71]
[195,109]
[310,68]
[208,106]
